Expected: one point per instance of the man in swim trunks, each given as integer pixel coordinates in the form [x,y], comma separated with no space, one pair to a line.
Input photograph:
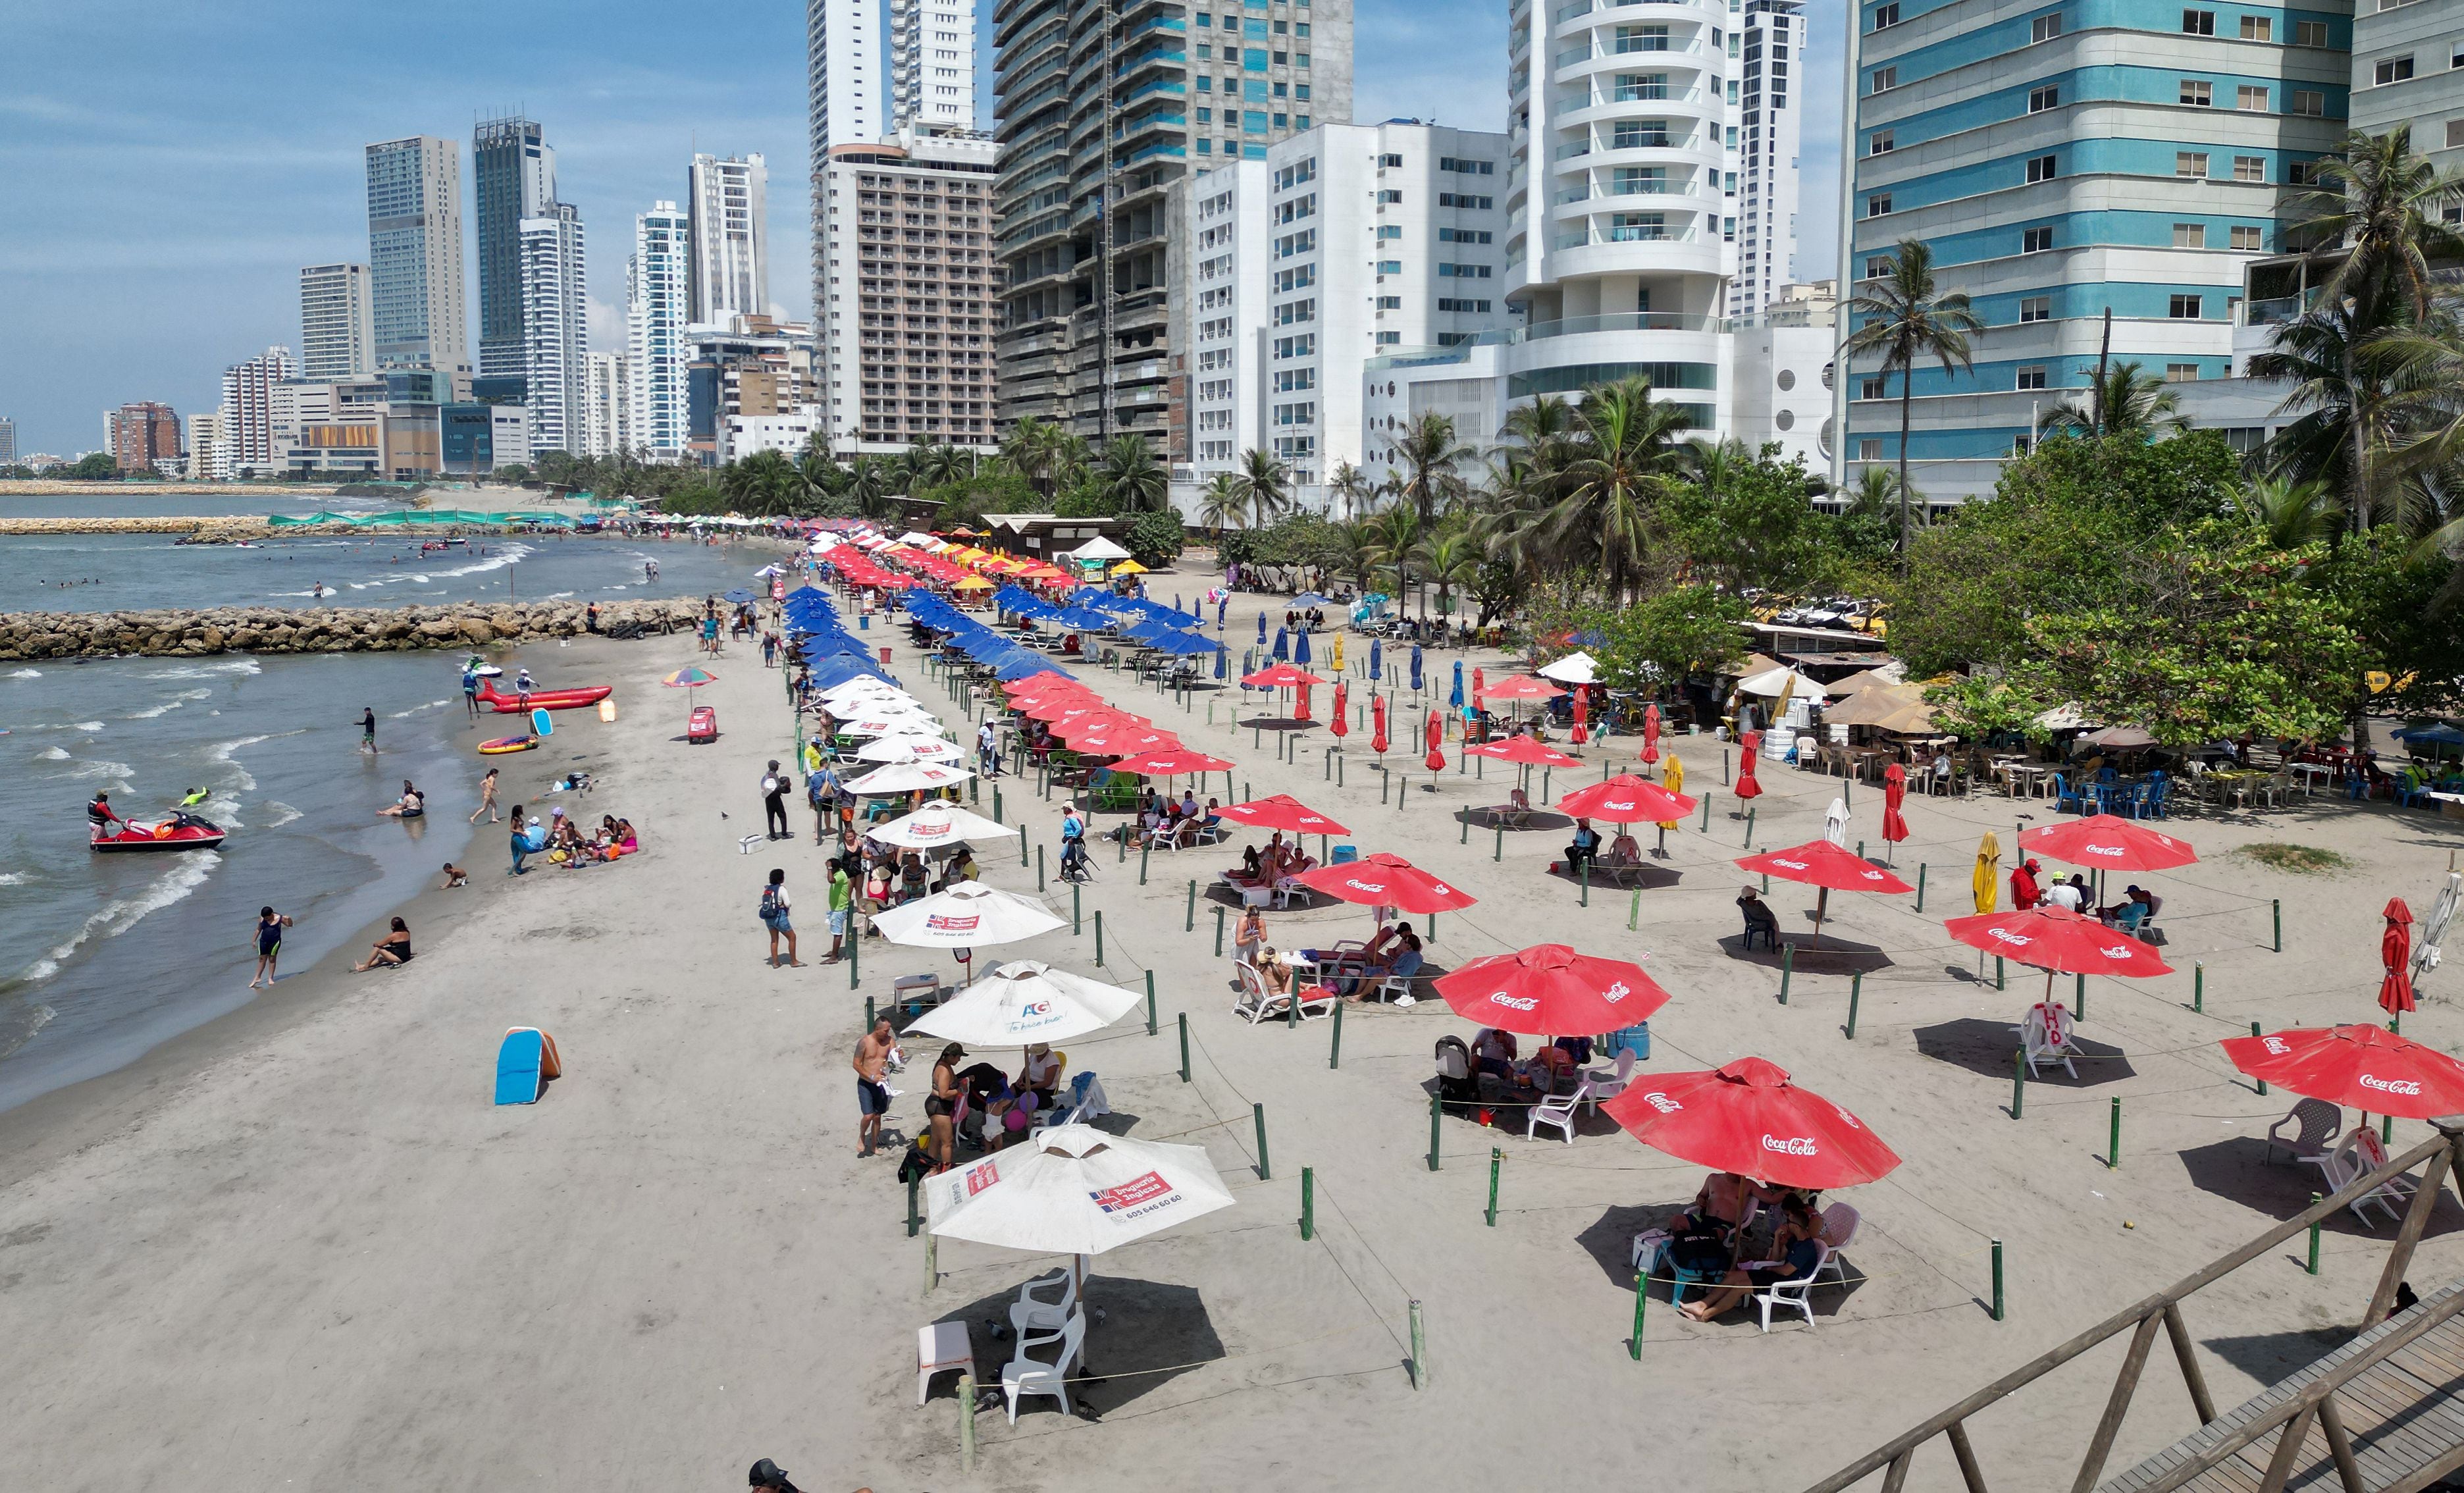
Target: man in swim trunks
[871,1097]
[269,925]
[368,729]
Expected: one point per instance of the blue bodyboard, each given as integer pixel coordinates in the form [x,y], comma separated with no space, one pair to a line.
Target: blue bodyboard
[518,1068]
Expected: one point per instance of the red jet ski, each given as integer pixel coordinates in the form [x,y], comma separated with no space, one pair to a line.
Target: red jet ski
[178,832]
[541,699]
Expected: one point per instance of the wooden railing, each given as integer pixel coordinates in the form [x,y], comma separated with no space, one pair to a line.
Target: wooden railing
[2444,1155]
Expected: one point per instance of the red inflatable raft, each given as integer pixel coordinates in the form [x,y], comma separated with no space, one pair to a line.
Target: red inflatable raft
[180,832]
[541,699]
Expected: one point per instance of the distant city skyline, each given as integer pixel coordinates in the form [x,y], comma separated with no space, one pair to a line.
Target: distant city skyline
[163,228]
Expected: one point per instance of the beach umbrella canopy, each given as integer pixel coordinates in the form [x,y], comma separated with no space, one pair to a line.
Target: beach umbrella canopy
[2395,952]
[968,915]
[1386,880]
[739,596]
[1074,1190]
[1987,881]
[1337,720]
[1415,669]
[1455,695]
[1282,811]
[1171,763]
[1895,789]
[1023,1002]
[910,749]
[1378,724]
[909,777]
[2109,842]
[938,824]
[1280,676]
[1283,644]
[2058,942]
[1520,687]
[1819,863]
[2116,738]
[900,725]
[1748,747]
[1524,751]
[1625,800]
[1549,989]
[1749,1118]
[689,679]
[1650,733]
[2365,1065]
[1572,669]
[1125,740]
[1436,735]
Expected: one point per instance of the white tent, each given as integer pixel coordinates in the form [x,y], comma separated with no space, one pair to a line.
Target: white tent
[1099,548]
[909,777]
[1572,669]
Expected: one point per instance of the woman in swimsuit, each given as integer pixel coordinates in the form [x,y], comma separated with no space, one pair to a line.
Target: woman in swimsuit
[941,1105]
[393,949]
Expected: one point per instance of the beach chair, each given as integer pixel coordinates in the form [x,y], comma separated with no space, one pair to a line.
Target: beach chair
[1766,926]
[1558,1112]
[1797,1294]
[1840,1223]
[1651,1260]
[2045,1036]
[1025,1374]
[1316,1001]
[1288,887]
[1610,1082]
[1514,813]
[2128,918]
[2360,1154]
[1045,1312]
[2316,1123]
[1256,1002]
[942,1348]
[1455,1083]
[1624,856]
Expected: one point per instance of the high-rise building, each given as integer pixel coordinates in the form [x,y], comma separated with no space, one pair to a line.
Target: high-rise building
[336,322]
[658,313]
[8,442]
[1345,243]
[2408,69]
[245,423]
[843,75]
[904,282]
[1090,149]
[513,181]
[606,418]
[415,254]
[207,459]
[556,330]
[2128,158]
[144,434]
[1650,190]
[931,64]
[727,201]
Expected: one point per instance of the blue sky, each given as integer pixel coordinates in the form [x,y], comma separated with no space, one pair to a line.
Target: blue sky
[172,163]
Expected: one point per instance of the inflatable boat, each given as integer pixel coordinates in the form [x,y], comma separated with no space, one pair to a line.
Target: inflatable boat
[178,832]
[504,744]
[542,699]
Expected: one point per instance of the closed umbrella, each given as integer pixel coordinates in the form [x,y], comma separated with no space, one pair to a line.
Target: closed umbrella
[1895,789]
[1582,716]
[1748,746]
[1378,724]
[1749,1118]
[1262,629]
[1436,736]
[1301,647]
[1835,822]
[1415,669]
[1219,661]
[1337,720]
[1303,712]
[2434,927]
[2395,952]
[936,824]
[1377,658]
[1673,778]
[1549,989]
[1337,661]
[1650,733]
[1986,882]
[1455,696]
[1282,645]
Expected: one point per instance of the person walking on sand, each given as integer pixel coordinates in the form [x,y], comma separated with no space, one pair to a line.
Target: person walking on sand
[773,803]
[269,925]
[487,798]
[774,913]
[842,908]
[470,690]
[368,729]
[871,1095]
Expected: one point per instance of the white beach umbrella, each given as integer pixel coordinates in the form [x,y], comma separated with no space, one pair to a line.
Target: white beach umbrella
[1787,682]
[888,724]
[1023,1002]
[1572,669]
[969,915]
[863,688]
[905,748]
[936,826]
[1835,822]
[909,777]
[2434,925]
[1074,1190]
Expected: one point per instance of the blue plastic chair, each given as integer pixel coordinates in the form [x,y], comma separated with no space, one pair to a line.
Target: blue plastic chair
[1661,1267]
[1344,855]
[2066,795]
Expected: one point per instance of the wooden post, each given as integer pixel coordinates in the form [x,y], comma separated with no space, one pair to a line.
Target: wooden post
[1921,886]
[1436,1112]
[1642,1299]
[1786,967]
[1997,1281]
[2193,1377]
[1189,917]
[1219,933]
[2118,1403]
[1496,1164]
[1258,1112]
[2018,1081]
[1334,1050]
[1420,1352]
[1099,937]
[1151,1004]
[967,1422]
[2416,1218]
[1184,1047]
[2113,1145]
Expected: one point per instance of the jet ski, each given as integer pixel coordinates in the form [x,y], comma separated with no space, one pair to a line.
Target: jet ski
[182,831]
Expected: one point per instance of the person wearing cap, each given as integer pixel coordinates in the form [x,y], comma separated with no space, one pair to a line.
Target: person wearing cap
[941,1105]
[769,1475]
[2025,893]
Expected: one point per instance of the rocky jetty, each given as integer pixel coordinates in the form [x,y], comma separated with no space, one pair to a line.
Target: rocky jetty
[326,629]
[201,531]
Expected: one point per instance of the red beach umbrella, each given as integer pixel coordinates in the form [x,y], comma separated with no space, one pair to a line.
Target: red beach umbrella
[2366,1066]
[1747,746]
[1378,724]
[1650,735]
[1749,1118]
[1304,713]
[1172,763]
[1626,800]
[1818,863]
[2058,943]
[1895,791]
[1386,881]
[1280,676]
[1549,989]
[1335,720]
[1582,715]
[2395,952]
[1283,812]
[1436,736]
[2108,842]
[1516,687]
[1524,751]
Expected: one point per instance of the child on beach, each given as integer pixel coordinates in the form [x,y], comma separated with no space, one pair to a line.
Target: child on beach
[454,876]
[269,925]
[773,915]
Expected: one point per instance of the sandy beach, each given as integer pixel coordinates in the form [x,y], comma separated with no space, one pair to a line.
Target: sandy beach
[300,1246]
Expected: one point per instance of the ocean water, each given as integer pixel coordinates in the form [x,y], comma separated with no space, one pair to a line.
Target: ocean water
[104,956]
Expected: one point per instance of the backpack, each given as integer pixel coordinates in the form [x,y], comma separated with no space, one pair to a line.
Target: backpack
[769,904]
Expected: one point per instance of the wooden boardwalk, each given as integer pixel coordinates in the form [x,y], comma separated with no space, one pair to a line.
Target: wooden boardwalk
[2404,1416]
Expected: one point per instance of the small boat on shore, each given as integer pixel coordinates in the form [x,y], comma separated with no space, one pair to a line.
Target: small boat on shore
[543,699]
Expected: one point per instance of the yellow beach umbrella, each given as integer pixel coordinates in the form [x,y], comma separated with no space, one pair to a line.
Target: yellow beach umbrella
[1672,776]
[1988,884]
[1338,652]
[975,583]
[1129,567]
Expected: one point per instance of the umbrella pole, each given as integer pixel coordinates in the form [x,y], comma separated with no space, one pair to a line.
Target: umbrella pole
[1821,905]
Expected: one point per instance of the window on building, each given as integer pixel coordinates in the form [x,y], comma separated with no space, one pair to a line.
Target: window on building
[1386,160]
[2048,96]
[2249,237]
[1869,449]
[2251,99]
[2391,70]
[2198,93]
[2257,28]
[1463,235]
[1389,302]
[2045,27]
[2249,169]
[1874,387]
[1639,134]
[1879,204]
[2309,33]
[2298,173]
[1390,266]
[2198,23]
[2190,162]
[2185,308]
[2310,102]
[2189,235]
[1387,230]
[1885,79]
[1880,267]
[1466,200]
[2181,373]
[2036,308]
[1885,16]
[2043,169]
[1883,142]
[2035,240]
[2032,376]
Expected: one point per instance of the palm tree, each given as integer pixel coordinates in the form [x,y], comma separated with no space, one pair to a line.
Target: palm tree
[2291,514]
[1635,445]
[1131,477]
[1072,457]
[1391,535]
[1350,552]
[1429,456]
[2344,414]
[1032,451]
[1906,319]
[1451,559]
[2133,402]
[1352,486]
[1546,432]
[1265,484]
[1875,492]
[1223,506]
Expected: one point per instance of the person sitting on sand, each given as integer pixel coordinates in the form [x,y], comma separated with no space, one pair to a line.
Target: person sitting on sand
[393,949]
[454,876]
[1796,1250]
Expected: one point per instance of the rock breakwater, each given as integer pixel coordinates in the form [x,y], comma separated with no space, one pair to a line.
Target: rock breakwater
[326,629]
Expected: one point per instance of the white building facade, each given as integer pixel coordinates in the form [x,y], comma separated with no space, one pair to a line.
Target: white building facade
[606,415]
[843,74]
[933,64]
[728,201]
[337,322]
[207,459]
[1346,243]
[245,420]
[556,333]
[657,314]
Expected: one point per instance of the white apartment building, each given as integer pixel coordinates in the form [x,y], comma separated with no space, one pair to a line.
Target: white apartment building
[905,274]
[1643,139]
[1348,241]
[555,332]
[931,64]
[207,459]
[245,428]
[785,434]
[657,314]
[607,414]
[337,322]
[842,75]
[728,203]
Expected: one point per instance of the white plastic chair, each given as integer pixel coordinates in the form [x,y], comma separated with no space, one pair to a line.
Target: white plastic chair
[2362,1153]
[1045,1313]
[1839,1224]
[1609,1082]
[2317,1123]
[940,1348]
[1559,1113]
[1288,887]
[1024,1374]
[1797,1294]
[2045,1036]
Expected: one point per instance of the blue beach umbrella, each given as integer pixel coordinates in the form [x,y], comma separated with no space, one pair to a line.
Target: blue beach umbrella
[1219,661]
[1222,605]
[1261,628]
[1415,669]
[1455,699]
[1176,601]
[1377,659]
[1301,647]
[1283,646]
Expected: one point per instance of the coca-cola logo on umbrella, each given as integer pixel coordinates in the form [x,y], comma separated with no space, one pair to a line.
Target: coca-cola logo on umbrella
[1516,1003]
[2391,1085]
[1661,1102]
[1789,1145]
